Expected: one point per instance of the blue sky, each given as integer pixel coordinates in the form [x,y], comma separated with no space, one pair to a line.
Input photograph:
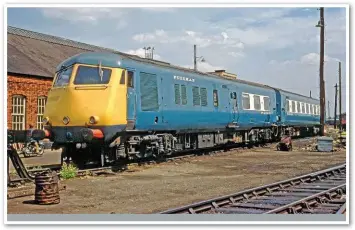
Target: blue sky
[274,46]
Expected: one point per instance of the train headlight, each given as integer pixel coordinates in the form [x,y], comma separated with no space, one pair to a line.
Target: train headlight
[93,120]
[45,120]
[66,120]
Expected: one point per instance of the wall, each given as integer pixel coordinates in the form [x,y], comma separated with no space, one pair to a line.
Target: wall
[31,87]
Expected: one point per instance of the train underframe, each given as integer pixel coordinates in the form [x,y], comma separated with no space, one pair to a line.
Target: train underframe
[136,146]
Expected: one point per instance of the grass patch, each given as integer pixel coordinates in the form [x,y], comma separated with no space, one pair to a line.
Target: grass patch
[68,171]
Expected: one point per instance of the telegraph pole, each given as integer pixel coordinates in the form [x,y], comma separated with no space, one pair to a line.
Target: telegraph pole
[335,106]
[321,70]
[340,127]
[195,58]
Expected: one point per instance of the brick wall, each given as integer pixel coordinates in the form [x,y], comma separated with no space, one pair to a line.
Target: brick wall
[31,88]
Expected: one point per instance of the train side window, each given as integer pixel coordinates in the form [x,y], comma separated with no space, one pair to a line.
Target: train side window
[123,80]
[303,107]
[130,80]
[177,94]
[307,108]
[183,95]
[287,106]
[299,107]
[266,103]
[215,98]
[294,107]
[246,101]
[257,105]
[233,95]
[313,111]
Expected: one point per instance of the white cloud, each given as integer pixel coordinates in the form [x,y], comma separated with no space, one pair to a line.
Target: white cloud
[204,67]
[236,54]
[86,15]
[189,37]
[313,59]
[141,53]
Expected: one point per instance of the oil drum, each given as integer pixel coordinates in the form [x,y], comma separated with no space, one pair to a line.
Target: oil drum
[47,189]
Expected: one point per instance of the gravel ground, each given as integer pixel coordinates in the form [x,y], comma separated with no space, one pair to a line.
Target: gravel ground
[154,188]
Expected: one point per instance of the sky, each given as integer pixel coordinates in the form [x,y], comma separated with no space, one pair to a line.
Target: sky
[274,46]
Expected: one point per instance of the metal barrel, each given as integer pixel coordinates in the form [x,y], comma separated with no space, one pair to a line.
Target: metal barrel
[47,189]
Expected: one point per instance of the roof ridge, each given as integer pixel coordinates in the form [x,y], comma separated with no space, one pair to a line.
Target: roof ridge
[56,39]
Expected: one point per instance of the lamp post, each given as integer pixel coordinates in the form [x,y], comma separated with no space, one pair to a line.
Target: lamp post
[321,70]
[202,59]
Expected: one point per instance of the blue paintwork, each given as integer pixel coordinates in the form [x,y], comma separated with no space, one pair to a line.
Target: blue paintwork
[181,117]
[293,119]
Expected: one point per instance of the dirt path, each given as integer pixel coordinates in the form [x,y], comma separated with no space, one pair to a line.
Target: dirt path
[158,187]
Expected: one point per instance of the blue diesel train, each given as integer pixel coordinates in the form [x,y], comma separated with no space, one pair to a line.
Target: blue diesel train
[107,106]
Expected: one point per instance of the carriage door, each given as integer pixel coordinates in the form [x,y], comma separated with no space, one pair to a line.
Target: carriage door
[234,106]
[131,100]
[280,114]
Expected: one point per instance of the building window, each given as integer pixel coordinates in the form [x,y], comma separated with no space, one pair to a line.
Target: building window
[18,112]
[266,103]
[257,105]
[215,98]
[246,101]
[41,104]
[203,93]
[177,94]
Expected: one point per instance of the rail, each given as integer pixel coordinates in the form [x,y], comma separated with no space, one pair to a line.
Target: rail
[319,192]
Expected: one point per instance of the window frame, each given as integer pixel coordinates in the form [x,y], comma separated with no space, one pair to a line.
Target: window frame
[244,95]
[18,113]
[40,111]
[257,96]
[71,67]
[92,67]
[264,103]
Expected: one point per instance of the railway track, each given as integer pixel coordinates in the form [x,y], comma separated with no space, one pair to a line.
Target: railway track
[320,192]
[33,170]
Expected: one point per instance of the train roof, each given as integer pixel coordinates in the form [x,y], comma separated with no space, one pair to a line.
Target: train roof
[168,65]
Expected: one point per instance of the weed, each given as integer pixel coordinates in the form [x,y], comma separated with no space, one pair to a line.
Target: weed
[68,171]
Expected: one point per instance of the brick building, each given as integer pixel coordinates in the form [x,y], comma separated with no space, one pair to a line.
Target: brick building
[31,61]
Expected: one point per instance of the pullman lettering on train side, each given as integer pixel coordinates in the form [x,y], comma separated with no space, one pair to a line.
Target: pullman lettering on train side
[183,78]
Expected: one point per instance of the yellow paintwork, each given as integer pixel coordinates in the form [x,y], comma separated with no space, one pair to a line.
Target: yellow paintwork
[79,102]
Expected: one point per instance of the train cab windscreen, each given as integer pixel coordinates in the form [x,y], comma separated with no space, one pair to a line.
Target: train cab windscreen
[86,75]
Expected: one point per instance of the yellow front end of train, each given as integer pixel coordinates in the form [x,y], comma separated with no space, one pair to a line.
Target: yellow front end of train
[86,104]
